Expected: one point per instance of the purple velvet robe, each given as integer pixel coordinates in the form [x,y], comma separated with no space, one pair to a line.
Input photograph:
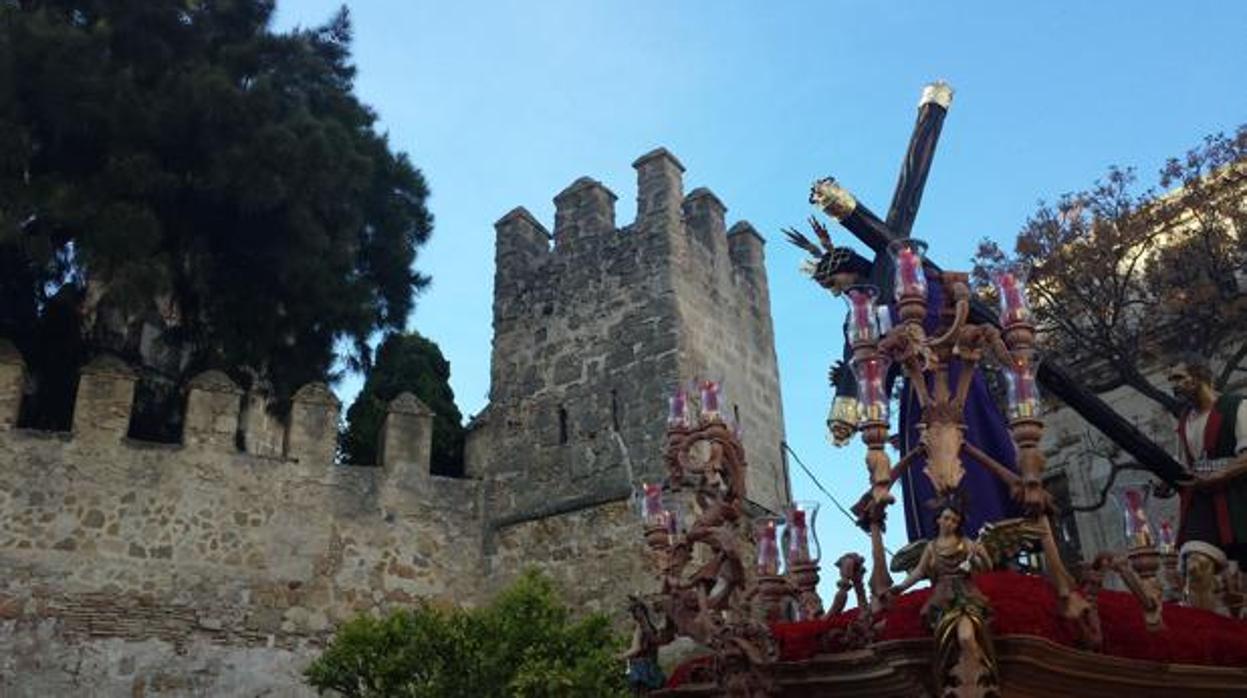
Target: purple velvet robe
[987,496]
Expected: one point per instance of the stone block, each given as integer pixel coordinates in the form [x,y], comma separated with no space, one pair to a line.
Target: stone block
[406,441]
[586,208]
[12,380]
[212,411]
[660,189]
[104,401]
[747,249]
[263,434]
[704,219]
[312,431]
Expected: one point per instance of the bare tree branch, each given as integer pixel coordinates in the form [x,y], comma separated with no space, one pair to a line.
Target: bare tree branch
[1231,366]
[1102,498]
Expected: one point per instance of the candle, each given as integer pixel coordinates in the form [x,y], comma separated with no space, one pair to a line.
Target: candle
[909,268]
[862,313]
[1166,535]
[907,255]
[651,505]
[871,389]
[1013,305]
[768,548]
[1134,506]
[678,413]
[709,399]
[1023,395]
[798,537]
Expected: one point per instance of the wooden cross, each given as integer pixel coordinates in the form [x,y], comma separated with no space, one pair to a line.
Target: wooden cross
[878,234]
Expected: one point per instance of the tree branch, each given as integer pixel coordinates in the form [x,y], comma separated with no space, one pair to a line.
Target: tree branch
[1102,498]
[1231,366]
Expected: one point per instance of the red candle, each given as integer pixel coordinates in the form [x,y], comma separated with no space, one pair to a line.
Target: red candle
[768,548]
[873,381]
[798,543]
[1166,534]
[907,261]
[1013,299]
[652,506]
[709,398]
[861,314]
[677,415]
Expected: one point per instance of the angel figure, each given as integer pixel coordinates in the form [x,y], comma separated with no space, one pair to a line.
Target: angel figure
[957,612]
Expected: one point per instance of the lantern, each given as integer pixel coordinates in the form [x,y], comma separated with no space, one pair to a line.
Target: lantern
[1023,391]
[1133,501]
[800,537]
[1011,289]
[910,281]
[872,393]
[863,320]
[768,547]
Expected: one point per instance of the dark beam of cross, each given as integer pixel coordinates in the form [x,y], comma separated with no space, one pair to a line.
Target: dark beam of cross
[878,234]
[912,180]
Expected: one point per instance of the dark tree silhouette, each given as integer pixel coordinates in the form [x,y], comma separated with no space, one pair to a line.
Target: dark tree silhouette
[406,363]
[207,192]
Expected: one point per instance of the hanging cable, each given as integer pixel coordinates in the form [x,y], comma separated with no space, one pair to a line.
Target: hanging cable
[824,490]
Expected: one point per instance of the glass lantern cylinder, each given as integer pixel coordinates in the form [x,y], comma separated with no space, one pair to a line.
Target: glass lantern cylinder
[800,536]
[872,394]
[1011,290]
[863,322]
[653,513]
[1133,501]
[1166,535]
[709,400]
[764,530]
[1023,392]
[677,413]
[907,254]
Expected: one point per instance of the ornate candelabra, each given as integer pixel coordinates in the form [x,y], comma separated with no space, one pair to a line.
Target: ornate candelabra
[722,604]
[926,361]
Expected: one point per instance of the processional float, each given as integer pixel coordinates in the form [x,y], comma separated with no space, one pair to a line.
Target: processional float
[718,562]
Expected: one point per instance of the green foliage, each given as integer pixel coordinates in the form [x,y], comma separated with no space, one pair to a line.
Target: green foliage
[406,363]
[523,644]
[179,163]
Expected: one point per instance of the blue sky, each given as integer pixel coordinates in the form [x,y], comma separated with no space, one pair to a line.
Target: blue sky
[505,103]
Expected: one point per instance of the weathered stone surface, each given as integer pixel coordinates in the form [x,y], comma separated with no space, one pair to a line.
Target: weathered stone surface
[105,397]
[202,570]
[589,343]
[212,410]
[12,380]
[312,435]
[184,567]
[406,441]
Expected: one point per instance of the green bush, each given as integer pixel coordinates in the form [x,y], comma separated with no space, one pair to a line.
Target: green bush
[525,643]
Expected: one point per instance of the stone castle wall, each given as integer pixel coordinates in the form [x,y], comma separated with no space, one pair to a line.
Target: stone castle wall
[593,332]
[129,568]
[221,565]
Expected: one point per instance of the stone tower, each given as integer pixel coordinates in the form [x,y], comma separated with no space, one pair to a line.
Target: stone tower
[595,325]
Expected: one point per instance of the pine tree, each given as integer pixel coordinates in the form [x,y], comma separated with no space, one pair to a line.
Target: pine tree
[414,364]
[212,192]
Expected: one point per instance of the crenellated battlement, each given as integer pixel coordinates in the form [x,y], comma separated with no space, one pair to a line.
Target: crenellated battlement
[220,417]
[596,323]
[671,229]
